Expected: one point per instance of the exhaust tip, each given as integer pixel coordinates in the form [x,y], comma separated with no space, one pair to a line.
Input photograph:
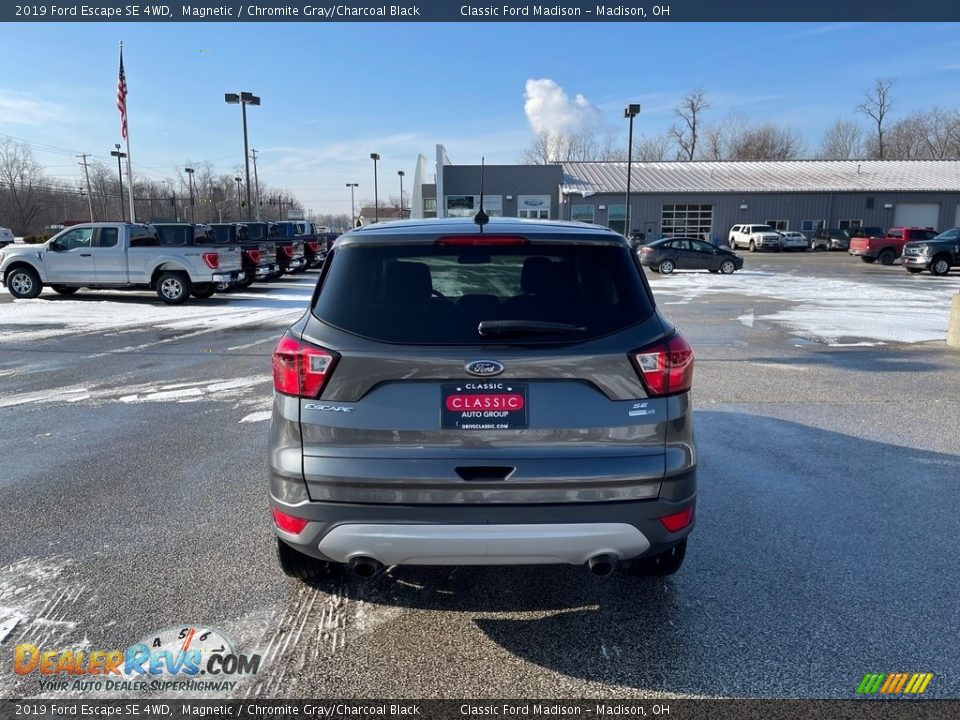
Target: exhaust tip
[602,565]
[365,567]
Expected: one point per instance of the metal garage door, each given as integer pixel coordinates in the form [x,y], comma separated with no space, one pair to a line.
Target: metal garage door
[917,215]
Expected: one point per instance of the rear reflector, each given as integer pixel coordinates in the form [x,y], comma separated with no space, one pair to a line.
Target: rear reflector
[212,260]
[666,368]
[473,240]
[301,369]
[289,523]
[677,521]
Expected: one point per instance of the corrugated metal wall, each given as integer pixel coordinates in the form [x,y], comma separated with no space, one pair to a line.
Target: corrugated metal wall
[793,207]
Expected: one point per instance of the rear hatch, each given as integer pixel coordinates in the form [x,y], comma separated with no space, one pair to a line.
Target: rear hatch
[498,373]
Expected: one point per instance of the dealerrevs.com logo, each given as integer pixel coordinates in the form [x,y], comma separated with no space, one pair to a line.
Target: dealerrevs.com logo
[188,658]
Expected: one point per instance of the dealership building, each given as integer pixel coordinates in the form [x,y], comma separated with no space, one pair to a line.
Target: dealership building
[704,199]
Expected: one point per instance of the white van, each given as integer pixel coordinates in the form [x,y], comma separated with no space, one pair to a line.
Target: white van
[6,236]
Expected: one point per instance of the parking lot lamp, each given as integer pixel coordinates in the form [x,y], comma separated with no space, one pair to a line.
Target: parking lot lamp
[376,199]
[244,99]
[119,156]
[353,211]
[630,111]
[189,172]
[401,173]
[239,200]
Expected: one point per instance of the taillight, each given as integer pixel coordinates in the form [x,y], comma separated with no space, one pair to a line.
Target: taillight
[254,256]
[646,250]
[666,367]
[289,523]
[677,521]
[212,260]
[314,246]
[301,369]
[287,250]
[483,240]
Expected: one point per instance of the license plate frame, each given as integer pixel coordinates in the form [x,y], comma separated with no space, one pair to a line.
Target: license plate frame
[472,405]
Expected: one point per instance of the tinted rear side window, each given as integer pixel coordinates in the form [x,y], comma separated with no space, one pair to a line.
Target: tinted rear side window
[175,235]
[428,294]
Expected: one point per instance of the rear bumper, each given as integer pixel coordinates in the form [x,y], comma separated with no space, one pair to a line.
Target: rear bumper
[483,534]
[235,276]
[267,270]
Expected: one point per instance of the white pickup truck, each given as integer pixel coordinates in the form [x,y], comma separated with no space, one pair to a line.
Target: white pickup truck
[117,256]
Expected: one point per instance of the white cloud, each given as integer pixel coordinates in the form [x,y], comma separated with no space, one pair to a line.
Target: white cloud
[22,109]
[549,109]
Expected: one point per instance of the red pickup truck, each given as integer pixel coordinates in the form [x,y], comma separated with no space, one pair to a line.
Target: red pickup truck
[888,247]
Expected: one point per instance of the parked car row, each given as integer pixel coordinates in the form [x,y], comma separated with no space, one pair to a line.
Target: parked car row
[176,260]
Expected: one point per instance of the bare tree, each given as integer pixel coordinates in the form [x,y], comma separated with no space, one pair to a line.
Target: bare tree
[842,141]
[22,185]
[876,105]
[766,142]
[685,131]
[652,149]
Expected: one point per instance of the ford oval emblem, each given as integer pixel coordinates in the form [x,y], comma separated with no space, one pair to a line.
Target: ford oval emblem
[484,368]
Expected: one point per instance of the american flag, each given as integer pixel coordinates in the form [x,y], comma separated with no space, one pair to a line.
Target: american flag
[122,98]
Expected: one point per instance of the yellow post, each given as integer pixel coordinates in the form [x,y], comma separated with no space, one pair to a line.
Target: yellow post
[953,332]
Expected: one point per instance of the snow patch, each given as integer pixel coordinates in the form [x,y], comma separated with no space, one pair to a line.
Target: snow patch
[903,310]
[257,416]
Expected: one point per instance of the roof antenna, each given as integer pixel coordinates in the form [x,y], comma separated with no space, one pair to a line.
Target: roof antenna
[481,218]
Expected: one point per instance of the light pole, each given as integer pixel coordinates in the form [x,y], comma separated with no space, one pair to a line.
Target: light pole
[256,180]
[119,156]
[189,172]
[244,99]
[376,200]
[630,111]
[353,211]
[239,201]
[401,173]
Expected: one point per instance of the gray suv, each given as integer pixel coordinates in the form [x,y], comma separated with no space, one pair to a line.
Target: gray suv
[464,394]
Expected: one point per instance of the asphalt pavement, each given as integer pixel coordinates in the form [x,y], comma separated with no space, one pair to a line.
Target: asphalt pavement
[132,475]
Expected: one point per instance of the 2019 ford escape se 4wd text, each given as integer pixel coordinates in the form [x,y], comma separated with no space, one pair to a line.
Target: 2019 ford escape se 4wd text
[465,394]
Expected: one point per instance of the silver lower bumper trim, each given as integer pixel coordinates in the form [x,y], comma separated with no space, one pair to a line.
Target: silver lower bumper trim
[573,543]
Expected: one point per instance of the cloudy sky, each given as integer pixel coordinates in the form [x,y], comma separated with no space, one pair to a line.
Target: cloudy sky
[334,93]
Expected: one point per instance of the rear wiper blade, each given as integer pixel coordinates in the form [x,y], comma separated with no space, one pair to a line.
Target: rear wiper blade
[525,327]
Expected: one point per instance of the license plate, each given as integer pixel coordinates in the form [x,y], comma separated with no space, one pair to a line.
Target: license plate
[476,405]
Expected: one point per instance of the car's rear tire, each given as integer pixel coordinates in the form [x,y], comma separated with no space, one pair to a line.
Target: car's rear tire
[727,267]
[64,289]
[248,281]
[666,267]
[204,290]
[660,565]
[887,257]
[914,271]
[867,260]
[940,265]
[24,283]
[303,567]
[173,287]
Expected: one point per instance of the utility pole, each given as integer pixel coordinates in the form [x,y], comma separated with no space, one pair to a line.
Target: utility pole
[87,174]
[256,180]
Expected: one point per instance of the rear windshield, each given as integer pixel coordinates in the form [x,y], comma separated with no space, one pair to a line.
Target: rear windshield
[429,294]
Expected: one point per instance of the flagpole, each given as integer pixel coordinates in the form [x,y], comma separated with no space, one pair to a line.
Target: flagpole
[133,217]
